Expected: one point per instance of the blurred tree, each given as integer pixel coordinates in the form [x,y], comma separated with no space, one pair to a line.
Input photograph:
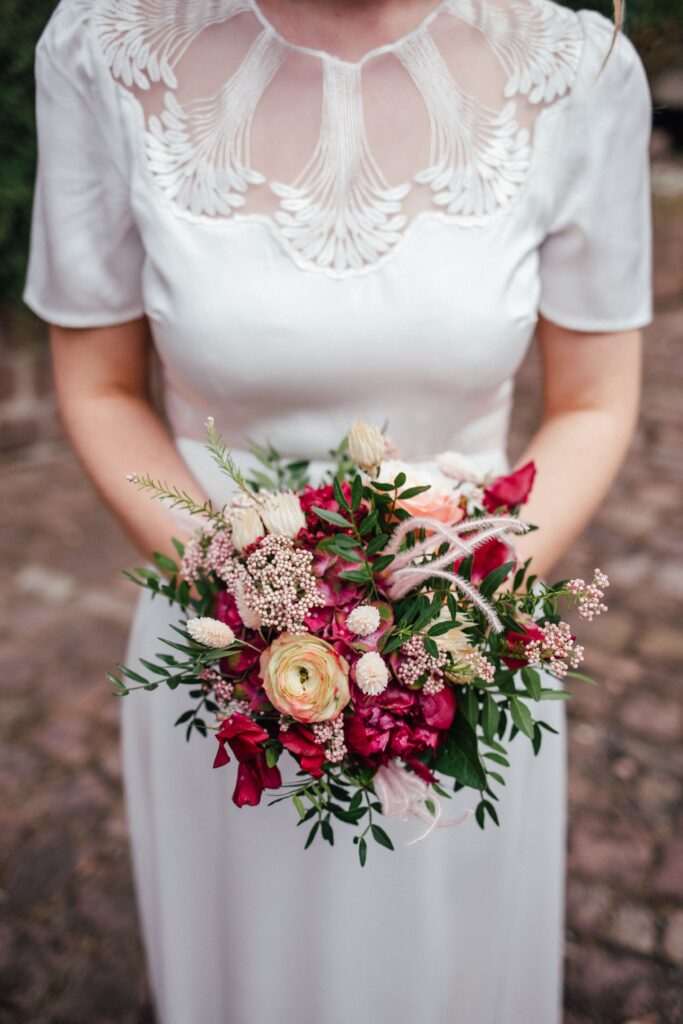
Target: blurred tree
[655,25]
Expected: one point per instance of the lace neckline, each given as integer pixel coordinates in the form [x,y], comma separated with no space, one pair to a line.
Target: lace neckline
[314,145]
[376,51]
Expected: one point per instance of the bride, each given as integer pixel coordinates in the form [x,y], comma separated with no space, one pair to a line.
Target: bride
[314,210]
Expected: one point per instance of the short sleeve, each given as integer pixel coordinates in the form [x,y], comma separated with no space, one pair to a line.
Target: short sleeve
[596,259]
[86,256]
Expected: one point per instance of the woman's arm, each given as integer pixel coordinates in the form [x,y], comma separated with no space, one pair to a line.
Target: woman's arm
[102,382]
[591,397]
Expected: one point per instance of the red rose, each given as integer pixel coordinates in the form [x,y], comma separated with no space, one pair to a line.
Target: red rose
[510,490]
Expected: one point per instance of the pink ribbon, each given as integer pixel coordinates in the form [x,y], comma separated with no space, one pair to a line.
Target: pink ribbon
[402,794]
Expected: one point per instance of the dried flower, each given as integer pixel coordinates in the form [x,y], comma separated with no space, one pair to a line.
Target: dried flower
[363,620]
[457,466]
[416,661]
[372,674]
[366,446]
[282,514]
[210,632]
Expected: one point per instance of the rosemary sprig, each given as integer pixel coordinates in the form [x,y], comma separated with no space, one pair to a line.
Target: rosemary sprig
[222,456]
[176,498]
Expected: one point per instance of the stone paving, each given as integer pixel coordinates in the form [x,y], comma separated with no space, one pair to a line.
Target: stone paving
[69,945]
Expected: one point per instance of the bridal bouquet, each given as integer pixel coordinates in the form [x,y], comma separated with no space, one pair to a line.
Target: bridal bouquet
[375,627]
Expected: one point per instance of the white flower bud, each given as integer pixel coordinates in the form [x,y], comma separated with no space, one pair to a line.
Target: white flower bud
[372,674]
[363,620]
[282,514]
[247,527]
[366,446]
[210,632]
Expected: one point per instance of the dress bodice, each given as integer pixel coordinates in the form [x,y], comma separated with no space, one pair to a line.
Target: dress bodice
[313,238]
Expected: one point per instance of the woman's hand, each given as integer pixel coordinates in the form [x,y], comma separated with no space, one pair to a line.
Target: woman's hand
[591,397]
[102,382]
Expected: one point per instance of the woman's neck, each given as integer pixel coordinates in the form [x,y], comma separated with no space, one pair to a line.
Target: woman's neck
[347,28]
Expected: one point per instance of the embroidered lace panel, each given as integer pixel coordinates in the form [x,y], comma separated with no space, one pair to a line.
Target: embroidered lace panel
[337,156]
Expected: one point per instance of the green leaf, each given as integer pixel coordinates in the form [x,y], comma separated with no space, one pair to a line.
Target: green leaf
[331,517]
[551,694]
[430,646]
[412,492]
[465,567]
[442,627]
[299,806]
[179,546]
[327,832]
[362,851]
[469,705]
[521,716]
[165,563]
[459,755]
[498,758]
[400,479]
[491,810]
[272,756]
[312,835]
[490,716]
[380,564]
[532,682]
[356,800]
[185,717]
[492,581]
[377,543]
[339,494]
[356,492]
[369,523]
[355,575]
[380,836]
[581,677]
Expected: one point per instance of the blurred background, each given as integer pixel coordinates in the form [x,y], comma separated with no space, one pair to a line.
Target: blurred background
[69,946]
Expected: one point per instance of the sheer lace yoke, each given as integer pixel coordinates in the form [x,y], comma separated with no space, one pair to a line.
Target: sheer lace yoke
[339,156]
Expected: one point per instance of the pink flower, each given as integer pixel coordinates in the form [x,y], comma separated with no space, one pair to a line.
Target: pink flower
[300,742]
[244,737]
[510,490]
[398,723]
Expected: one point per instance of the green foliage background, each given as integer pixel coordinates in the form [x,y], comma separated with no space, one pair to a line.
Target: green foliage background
[656,27]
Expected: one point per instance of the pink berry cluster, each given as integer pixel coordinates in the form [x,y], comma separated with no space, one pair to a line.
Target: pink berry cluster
[589,595]
[417,662]
[212,681]
[219,553]
[192,561]
[331,736]
[479,666]
[556,648]
[276,582]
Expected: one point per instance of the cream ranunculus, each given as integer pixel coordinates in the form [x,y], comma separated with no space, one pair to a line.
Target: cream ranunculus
[367,447]
[304,677]
[247,526]
[282,514]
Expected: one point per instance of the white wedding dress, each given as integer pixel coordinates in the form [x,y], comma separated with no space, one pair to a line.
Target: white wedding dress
[314,238]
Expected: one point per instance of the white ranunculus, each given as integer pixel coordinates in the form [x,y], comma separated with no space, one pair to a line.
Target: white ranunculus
[367,447]
[210,632]
[372,674]
[247,526]
[282,514]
